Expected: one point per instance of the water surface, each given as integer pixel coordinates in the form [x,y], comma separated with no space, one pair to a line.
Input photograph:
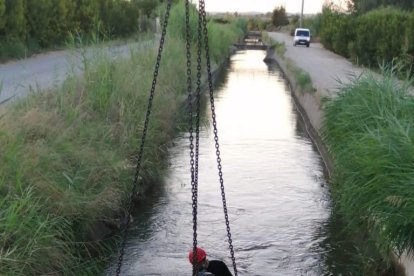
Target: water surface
[279,206]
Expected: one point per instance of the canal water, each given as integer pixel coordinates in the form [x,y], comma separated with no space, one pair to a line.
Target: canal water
[278,201]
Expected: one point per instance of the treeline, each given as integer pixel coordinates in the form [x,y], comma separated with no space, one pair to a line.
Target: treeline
[385,34]
[363,6]
[34,24]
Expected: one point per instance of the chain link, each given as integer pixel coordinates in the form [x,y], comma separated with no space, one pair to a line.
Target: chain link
[144,134]
[216,140]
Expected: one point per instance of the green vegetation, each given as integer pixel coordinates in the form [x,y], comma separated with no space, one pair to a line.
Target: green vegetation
[368,130]
[363,6]
[379,36]
[337,31]
[260,23]
[67,156]
[27,26]
[303,79]
[279,17]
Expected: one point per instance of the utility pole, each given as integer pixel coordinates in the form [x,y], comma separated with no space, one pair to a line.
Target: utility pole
[301,16]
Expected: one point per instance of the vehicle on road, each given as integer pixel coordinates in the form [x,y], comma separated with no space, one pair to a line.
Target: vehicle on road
[302,37]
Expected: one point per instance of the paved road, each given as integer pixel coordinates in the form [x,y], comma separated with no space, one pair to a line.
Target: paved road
[324,67]
[45,71]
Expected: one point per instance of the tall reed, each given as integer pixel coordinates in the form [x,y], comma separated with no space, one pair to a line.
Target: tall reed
[369,131]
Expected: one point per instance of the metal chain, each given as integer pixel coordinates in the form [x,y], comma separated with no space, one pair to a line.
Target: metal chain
[216,140]
[191,137]
[144,134]
[194,156]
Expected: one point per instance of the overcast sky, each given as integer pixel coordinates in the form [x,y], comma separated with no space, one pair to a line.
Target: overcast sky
[292,6]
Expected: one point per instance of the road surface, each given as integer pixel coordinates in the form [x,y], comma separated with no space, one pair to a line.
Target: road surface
[46,71]
[324,67]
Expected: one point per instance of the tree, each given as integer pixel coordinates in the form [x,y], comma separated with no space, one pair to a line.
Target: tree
[61,20]
[2,15]
[124,18]
[15,19]
[86,16]
[147,7]
[38,21]
[279,17]
[363,6]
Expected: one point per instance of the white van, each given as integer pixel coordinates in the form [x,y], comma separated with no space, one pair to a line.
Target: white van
[302,37]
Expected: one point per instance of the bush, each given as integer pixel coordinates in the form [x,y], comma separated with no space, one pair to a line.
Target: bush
[381,36]
[12,49]
[336,31]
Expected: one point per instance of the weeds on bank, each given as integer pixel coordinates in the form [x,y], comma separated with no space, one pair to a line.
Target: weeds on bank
[304,80]
[74,151]
[67,157]
[368,129]
[302,77]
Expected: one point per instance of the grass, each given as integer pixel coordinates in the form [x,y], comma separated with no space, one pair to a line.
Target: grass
[67,157]
[368,130]
[303,79]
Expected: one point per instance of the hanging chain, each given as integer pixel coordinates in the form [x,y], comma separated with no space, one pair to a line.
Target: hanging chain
[193,157]
[144,134]
[213,116]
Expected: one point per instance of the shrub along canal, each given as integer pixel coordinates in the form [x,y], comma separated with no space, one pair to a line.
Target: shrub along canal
[279,205]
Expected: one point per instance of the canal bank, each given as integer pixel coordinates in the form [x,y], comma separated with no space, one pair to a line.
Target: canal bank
[328,72]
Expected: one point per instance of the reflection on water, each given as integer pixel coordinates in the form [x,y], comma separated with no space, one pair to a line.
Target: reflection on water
[277,199]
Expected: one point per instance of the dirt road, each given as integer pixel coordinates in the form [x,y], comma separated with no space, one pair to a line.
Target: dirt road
[45,71]
[324,67]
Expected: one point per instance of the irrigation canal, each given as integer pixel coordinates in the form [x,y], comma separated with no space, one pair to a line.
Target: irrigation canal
[279,205]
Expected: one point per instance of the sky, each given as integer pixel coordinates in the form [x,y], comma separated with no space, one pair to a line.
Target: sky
[292,6]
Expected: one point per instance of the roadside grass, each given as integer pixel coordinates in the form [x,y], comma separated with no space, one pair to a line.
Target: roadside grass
[67,157]
[368,129]
[303,79]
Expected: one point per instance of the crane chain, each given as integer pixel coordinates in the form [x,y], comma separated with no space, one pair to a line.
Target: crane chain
[193,153]
[202,12]
[144,134]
